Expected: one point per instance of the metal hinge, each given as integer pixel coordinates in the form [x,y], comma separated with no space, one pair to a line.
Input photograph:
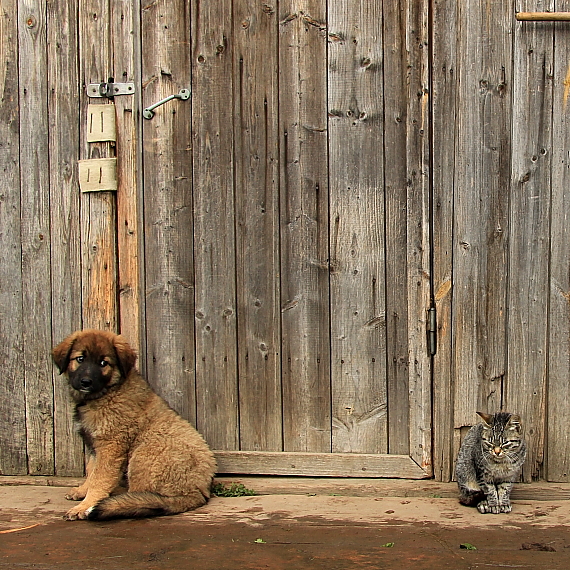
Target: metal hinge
[110,89]
[432,331]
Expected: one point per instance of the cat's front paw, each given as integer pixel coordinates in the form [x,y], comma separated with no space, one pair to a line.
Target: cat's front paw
[485,508]
[505,508]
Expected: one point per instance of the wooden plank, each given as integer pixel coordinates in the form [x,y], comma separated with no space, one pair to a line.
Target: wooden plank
[318,464]
[168,223]
[482,182]
[444,93]
[214,225]
[358,334]
[395,98]
[35,236]
[257,223]
[558,406]
[418,237]
[13,458]
[98,209]
[64,119]
[124,35]
[304,227]
[529,243]
[343,486]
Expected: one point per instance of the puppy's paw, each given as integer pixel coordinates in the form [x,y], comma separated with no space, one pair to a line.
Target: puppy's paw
[80,512]
[76,494]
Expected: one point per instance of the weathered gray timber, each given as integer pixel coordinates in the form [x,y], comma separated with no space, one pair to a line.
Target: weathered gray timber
[303,135]
[214,225]
[276,240]
[64,121]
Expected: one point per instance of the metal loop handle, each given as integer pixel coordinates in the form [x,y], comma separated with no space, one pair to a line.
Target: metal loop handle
[183,94]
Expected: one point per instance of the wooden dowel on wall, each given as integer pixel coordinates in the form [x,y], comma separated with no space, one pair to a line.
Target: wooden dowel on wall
[543,16]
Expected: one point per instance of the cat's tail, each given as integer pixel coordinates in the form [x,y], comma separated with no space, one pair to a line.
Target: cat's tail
[470,497]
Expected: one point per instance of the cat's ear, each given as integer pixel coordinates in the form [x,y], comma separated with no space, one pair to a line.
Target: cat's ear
[515,422]
[487,418]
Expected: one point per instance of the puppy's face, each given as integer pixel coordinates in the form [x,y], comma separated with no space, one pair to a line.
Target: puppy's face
[94,362]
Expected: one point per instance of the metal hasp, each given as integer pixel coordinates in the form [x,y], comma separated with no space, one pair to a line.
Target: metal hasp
[183,94]
[110,89]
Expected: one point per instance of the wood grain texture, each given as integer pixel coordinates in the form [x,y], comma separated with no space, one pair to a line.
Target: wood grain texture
[98,209]
[13,458]
[124,37]
[444,94]
[35,236]
[214,225]
[418,241]
[256,153]
[168,220]
[64,121]
[395,98]
[358,333]
[558,388]
[529,239]
[304,227]
[318,464]
[482,180]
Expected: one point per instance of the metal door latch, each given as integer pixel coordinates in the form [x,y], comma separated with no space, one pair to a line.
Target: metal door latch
[183,94]
[110,89]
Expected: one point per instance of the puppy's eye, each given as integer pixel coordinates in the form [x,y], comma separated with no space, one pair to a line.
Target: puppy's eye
[103,363]
[80,359]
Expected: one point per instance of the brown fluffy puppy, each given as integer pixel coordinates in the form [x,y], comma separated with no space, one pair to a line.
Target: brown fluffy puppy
[129,431]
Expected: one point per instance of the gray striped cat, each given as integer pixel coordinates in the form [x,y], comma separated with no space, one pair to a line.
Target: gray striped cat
[490,460]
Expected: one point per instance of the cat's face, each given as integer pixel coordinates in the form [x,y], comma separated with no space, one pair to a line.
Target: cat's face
[501,436]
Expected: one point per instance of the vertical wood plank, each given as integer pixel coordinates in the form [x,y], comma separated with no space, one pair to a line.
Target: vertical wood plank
[444,94]
[13,460]
[64,121]
[482,180]
[123,19]
[257,222]
[98,209]
[558,401]
[168,219]
[304,226]
[35,236]
[395,184]
[358,335]
[529,243]
[418,240]
[214,225]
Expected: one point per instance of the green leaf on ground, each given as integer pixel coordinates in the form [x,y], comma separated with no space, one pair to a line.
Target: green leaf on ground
[467,546]
[388,545]
[234,490]
[259,541]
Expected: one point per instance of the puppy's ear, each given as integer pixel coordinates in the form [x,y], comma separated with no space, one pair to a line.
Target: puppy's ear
[62,351]
[126,356]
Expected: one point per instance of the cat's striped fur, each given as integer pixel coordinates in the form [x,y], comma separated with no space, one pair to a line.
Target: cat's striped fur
[490,460]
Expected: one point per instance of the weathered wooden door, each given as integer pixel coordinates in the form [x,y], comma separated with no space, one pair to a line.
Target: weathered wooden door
[286,212]
[501,198]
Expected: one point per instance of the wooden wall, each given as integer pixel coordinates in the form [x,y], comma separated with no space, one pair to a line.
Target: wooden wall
[276,241]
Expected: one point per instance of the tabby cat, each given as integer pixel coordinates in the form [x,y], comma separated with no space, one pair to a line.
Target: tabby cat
[490,460]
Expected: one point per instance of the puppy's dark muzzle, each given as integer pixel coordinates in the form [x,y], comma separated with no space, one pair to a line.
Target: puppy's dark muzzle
[87,379]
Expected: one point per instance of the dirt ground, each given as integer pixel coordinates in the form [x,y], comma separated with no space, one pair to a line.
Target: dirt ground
[392,525]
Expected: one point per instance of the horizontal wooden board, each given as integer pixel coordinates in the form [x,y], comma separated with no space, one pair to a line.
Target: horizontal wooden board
[353,487]
[318,464]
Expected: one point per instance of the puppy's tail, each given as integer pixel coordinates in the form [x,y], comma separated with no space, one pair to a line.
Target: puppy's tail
[144,504]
